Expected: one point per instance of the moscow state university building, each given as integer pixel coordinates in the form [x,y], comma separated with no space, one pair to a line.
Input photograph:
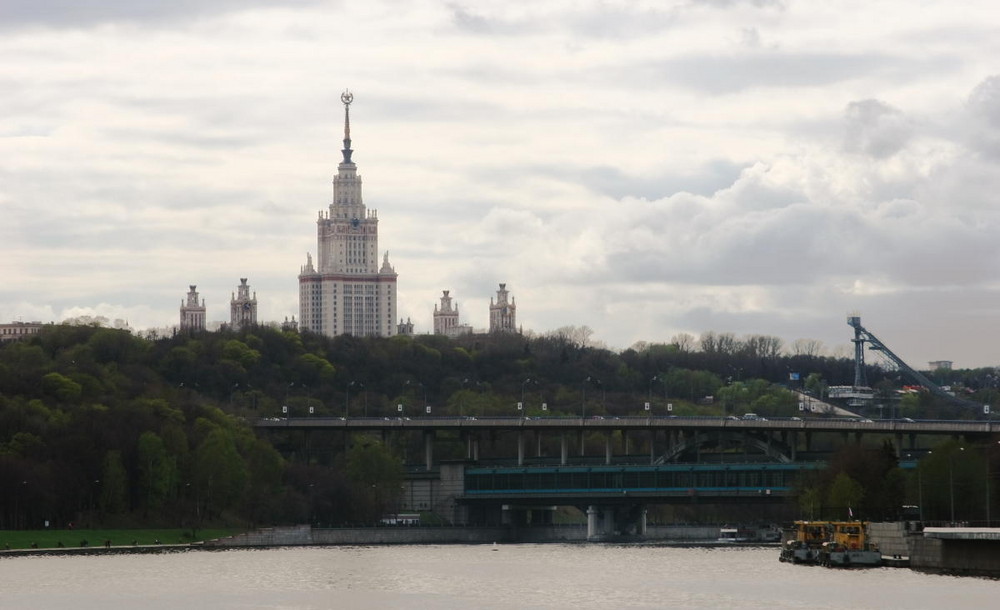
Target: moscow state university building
[346,291]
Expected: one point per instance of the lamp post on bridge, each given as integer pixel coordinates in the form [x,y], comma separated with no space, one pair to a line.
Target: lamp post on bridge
[521,406]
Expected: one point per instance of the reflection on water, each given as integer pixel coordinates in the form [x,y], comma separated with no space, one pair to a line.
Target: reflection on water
[571,576]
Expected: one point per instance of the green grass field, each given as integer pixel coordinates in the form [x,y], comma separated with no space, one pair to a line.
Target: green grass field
[44,539]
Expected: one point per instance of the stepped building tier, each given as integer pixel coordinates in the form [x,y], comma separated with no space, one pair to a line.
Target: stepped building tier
[346,291]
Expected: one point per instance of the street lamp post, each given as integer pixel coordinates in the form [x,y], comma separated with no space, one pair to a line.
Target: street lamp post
[521,406]
[951,482]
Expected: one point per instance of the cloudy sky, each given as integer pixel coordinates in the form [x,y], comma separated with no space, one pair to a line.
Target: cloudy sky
[645,169]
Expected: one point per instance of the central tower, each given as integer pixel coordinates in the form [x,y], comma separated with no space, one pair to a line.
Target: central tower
[346,292]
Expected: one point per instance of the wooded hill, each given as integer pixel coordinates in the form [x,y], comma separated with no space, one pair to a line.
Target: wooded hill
[100,426]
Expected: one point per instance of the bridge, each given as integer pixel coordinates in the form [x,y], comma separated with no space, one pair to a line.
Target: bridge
[666,438]
[646,460]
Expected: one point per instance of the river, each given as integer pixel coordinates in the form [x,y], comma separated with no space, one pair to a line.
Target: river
[516,576]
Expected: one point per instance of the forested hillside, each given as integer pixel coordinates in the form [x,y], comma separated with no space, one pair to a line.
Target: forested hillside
[100,426]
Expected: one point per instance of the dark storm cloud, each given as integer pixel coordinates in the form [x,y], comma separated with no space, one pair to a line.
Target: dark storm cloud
[86,13]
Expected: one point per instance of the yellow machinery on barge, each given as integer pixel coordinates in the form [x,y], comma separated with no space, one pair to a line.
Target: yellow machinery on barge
[830,543]
[805,542]
[849,546]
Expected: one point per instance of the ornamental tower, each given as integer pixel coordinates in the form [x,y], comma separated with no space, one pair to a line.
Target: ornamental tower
[192,314]
[503,313]
[347,292]
[445,317]
[242,307]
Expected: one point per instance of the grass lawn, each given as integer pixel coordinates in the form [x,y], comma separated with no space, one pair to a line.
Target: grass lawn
[50,538]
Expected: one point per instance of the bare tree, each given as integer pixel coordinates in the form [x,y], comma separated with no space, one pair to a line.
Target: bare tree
[685,342]
[807,347]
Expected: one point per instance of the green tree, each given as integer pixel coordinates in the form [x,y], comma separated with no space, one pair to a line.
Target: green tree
[845,494]
[114,484]
[157,471]
[376,476]
[220,473]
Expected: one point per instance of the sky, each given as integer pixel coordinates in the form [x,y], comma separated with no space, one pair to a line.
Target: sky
[642,168]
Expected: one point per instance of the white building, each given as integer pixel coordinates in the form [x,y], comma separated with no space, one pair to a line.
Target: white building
[503,313]
[243,307]
[19,330]
[347,292]
[192,313]
[446,318]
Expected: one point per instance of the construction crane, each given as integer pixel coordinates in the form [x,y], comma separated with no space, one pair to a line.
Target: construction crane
[862,335]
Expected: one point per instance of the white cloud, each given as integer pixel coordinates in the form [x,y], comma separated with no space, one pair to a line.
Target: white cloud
[643,169]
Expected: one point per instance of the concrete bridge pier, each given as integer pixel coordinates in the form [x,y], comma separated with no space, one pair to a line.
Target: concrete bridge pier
[605,522]
[607,449]
[563,449]
[520,448]
[429,449]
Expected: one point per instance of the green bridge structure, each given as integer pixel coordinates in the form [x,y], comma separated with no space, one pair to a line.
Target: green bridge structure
[645,461]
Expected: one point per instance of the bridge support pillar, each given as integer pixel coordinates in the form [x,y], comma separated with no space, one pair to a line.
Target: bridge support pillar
[563,449]
[627,448]
[429,449]
[538,443]
[607,448]
[581,442]
[520,448]
[472,447]
[899,445]
[611,521]
[652,447]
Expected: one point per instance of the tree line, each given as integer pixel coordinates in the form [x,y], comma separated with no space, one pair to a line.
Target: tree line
[100,426]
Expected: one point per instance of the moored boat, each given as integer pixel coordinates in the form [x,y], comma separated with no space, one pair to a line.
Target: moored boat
[849,546]
[806,542]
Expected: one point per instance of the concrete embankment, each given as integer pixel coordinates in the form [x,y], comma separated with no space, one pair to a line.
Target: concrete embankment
[954,550]
[306,535]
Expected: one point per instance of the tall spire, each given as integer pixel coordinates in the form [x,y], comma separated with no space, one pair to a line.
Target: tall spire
[347,97]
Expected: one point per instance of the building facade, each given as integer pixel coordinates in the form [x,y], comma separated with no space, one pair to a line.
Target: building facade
[503,313]
[192,312]
[243,307]
[19,330]
[346,291]
[446,320]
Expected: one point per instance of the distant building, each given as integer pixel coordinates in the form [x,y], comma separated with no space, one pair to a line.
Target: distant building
[405,328]
[192,312]
[18,330]
[446,320]
[940,364]
[503,313]
[347,292]
[243,307]
[290,325]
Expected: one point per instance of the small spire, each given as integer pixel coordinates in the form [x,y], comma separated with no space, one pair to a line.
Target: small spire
[347,97]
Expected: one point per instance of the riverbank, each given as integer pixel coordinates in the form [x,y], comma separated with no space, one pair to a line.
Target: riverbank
[84,539]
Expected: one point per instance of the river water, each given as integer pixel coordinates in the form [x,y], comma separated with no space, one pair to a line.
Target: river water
[521,576]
